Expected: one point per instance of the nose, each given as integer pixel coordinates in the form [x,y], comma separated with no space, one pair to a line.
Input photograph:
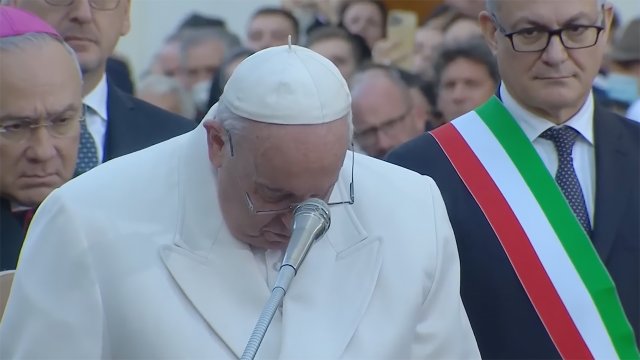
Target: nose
[81,11]
[555,53]
[459,94]
[41,146]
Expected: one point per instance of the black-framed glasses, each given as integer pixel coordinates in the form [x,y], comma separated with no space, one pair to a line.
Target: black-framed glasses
[95,4]
[19,130]
[537,39]
[292,207]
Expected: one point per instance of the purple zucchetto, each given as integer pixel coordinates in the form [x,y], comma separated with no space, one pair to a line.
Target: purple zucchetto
[16,22]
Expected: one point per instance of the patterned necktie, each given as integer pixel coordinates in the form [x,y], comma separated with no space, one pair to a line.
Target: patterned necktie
[564,138]
[87,151]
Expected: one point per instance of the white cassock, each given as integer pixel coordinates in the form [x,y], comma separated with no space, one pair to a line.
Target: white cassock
[133,260]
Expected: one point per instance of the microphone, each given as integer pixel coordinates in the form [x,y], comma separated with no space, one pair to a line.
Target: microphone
[311,220]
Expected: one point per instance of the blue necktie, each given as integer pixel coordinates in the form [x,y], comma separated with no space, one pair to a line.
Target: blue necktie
[87,151]
[564,138]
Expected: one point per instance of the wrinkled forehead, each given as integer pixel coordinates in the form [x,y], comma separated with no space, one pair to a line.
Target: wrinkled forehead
[552,13]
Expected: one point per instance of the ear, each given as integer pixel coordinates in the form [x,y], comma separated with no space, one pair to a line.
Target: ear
[489,30]
[126,24]
[608,20]
[216,140]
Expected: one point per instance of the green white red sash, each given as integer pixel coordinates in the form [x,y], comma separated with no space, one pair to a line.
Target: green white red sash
[552,255]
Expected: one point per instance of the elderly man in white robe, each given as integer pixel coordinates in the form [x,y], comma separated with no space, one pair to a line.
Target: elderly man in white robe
[171,252]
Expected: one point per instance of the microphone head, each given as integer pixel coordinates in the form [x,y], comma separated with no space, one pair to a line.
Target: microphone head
[311,220]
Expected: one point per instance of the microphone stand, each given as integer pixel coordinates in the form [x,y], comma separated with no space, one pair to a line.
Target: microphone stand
[311,220]
[286,274]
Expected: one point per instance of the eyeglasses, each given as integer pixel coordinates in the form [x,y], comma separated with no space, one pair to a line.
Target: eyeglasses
[20,130]
[369,136]
[292,207]
[95,4]
[536,39]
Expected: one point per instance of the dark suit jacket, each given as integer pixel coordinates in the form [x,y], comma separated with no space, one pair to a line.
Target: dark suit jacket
[119,75]
[11,236]
[504,321]
[134,124]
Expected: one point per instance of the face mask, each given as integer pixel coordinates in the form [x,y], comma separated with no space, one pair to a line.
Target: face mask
[200,93]
[622,88]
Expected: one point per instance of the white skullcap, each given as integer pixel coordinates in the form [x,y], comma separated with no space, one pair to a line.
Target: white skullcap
[288,85]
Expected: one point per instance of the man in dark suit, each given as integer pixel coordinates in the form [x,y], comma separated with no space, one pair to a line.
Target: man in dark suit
[548,55]
[116,123]
[40,112]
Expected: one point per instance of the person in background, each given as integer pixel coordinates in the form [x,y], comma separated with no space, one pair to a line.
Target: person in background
[232,60]
[339,46]
[116,123]
[542,185]
[466,76]
[313,14]
[202,52]
[367,18]
[622,83]
[427,44]
[271,26]
[167,59]
[40,113]
[182,266]
[168,94]
[383,111]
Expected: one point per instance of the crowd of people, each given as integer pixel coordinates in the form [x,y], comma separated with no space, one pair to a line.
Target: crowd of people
[147,217]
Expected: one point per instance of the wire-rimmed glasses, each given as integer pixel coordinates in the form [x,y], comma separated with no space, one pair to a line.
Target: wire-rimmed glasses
[291,207]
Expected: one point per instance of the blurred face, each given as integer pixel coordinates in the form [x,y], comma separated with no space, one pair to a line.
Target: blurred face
[276,166]
[339,52]
[554,82]
[427,41]
[270,30]
[38,84]
[464,85]
[364,18]
[168,59]
[92,33]
[201,62]
[382,116]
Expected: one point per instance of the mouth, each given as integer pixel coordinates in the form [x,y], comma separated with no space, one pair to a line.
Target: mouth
[35,180]
[78,39]
[554,77]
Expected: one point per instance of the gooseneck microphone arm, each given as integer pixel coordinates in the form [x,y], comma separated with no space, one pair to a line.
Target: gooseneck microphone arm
[311,220]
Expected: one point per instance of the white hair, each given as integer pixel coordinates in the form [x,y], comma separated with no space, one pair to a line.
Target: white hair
[492,5]
[235,124]
[164,85]
[34,39]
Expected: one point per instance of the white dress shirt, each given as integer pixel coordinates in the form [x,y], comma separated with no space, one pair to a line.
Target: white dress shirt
[583,150]
[97,116]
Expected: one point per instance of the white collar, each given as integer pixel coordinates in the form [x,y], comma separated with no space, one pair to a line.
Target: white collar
[97,98]
[534,125]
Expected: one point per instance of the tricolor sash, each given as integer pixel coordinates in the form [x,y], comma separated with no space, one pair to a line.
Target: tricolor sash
[550,252]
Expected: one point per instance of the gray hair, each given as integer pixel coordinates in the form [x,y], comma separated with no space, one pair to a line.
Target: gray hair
[235,124]
[195,37]
[359,79]
[161,85]
[34,39]
[492,6]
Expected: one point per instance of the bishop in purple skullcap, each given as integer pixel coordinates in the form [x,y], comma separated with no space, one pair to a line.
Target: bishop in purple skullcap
[16,22]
